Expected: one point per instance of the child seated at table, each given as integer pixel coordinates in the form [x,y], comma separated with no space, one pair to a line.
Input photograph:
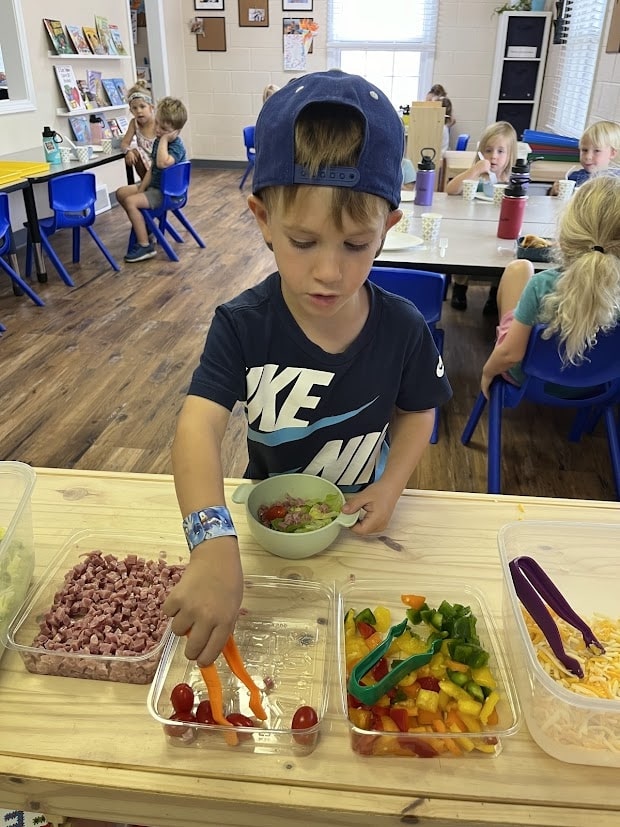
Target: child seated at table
[577,299]
[497,153]
[598,147]
[338,377]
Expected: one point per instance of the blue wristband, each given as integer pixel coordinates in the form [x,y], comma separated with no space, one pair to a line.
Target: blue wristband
[207,524]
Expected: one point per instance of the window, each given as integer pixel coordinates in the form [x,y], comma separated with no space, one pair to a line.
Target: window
[19,94]
[582,33]
[394,50]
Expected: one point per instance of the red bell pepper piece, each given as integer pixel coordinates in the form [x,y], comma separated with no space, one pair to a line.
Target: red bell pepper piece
[429,682]
[365,629]
[400,716]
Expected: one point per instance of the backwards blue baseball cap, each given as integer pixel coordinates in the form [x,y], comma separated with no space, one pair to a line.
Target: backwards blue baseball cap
[378,169]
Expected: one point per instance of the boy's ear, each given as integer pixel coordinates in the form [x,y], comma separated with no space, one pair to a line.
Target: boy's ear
[613,152]
[259,211]
[392,219]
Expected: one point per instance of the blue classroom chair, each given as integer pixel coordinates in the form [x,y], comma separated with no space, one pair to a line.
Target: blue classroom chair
[426,290]
[598,377]
[175,188]
[72,198]
[461,142]
[248,141]
[5,247]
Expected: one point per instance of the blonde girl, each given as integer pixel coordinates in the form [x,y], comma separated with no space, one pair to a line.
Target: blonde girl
[497,153]
[577,300]
[137,143]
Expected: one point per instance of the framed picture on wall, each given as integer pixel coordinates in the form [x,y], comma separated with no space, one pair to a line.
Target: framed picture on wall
[297,5]
[253,12]
[209,5]
[213,37]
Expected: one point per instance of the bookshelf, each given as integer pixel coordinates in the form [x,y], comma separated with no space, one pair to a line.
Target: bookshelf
[519,67]
[65,113]
[87,57]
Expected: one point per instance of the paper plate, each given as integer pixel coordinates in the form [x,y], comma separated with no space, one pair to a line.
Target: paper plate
[480,196]
[401,241]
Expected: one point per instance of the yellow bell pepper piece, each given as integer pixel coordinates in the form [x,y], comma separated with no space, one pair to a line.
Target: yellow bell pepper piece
[469,706]
[484,677]
[428,700]
[489,705]
[472,722]
[383,617]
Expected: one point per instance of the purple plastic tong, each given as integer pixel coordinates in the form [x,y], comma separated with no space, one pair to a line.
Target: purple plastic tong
[531,584]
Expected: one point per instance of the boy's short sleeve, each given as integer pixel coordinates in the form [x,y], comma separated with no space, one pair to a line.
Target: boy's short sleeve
[176,148]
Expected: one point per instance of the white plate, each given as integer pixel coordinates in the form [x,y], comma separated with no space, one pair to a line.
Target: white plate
[480,196]
[407,195]
[400,241]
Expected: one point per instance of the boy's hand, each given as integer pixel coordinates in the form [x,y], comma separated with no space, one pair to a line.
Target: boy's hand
[378,501]
[206,601]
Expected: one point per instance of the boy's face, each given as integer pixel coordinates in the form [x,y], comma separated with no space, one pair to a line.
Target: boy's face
[594,158]
[497,153]
[322,268]
[164,128]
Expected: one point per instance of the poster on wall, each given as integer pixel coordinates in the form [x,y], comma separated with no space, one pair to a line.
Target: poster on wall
[209,5]
[297,36]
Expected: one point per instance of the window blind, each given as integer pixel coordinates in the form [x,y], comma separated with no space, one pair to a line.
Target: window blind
[373,23]
[583,28]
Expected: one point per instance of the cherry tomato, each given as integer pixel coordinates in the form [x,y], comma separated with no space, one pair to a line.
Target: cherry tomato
[184,732]
[304,718]
[239,720]
[276,512]
[182,698]
[204,713]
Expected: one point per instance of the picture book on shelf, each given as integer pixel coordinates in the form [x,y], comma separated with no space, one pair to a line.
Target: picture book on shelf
[123,124]
[92,38]
[115,34]
[59,40]
[112,92]
[103,30]
[78,39]
[68,87]
[114,128]
[89,98]
[105,126]
[81,128]
[121,88]
[93,81]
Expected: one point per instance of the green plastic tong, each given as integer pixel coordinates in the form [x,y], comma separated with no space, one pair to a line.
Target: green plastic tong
[369,695]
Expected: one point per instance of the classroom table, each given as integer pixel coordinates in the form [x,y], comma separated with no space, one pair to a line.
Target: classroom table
[72,747]
[37,154]
[455,162]
[540,209]
[473,248]
[13,186]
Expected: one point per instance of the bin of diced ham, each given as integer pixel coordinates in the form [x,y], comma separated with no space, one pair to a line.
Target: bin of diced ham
[105,620]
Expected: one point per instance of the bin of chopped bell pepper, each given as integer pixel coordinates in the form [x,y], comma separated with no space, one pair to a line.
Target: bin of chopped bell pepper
[454,696]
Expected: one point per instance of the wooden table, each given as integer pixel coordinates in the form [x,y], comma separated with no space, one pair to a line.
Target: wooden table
[80,748]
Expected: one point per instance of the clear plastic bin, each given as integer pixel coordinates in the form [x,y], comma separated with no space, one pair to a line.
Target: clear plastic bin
[372,593]
[283,634]
[16,540]
[584,563]
[81,662]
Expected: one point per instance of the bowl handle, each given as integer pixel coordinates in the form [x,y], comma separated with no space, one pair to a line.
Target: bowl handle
[241,493]
[348,520]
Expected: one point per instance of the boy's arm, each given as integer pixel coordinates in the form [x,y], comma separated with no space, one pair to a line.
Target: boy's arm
[208,597]
[510,351]
[410,432]
[164,158]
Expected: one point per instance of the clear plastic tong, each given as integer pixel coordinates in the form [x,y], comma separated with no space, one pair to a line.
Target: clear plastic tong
[533,586]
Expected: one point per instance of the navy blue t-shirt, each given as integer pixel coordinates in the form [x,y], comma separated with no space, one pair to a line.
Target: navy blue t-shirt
[176,148]
[314,412]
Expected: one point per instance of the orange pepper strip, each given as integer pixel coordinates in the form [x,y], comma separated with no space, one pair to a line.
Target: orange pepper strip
[214,689]
[237,667]
[416,601]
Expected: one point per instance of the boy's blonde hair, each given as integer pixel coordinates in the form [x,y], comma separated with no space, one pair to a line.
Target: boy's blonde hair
[601,134]
[501,129]
[586,298]
[140,90]
[329,135]
[172,112]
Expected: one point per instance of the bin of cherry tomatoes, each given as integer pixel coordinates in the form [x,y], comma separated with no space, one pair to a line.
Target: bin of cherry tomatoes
[282,633]
[462,702]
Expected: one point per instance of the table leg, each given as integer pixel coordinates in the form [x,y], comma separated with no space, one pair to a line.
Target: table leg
[35,233]
[12,257]
[130,176]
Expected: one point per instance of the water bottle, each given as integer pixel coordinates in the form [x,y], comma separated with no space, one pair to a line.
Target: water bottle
[51,140]
[96,129]
[512,210]
[425,179]
[520,173]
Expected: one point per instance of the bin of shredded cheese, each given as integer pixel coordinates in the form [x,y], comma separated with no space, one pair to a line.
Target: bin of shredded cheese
[574,720]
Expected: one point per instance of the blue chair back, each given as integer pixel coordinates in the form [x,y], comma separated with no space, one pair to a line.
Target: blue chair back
[425,289]
[248,141]
[72,198]
[5,224]
[175,186]
[461,142]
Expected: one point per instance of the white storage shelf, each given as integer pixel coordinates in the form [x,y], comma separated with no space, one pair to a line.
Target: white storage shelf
[91,56]
[65,113]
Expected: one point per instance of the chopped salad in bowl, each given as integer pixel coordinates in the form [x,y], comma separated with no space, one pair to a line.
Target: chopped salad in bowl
[295,515]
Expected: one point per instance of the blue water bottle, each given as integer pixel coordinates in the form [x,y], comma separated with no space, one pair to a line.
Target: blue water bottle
[51,140]
[425,179]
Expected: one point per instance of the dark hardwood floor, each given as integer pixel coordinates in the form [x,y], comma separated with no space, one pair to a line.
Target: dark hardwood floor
[96,378]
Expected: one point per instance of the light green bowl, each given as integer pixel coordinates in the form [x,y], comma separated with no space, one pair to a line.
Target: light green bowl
[305,486]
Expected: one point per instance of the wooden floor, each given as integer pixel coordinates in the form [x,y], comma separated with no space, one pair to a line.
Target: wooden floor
[96,378]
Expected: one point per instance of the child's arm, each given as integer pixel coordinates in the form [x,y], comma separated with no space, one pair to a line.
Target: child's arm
[506,354]
[129,135]
[164,158]
[208,597]
[480,167]
[410,432]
